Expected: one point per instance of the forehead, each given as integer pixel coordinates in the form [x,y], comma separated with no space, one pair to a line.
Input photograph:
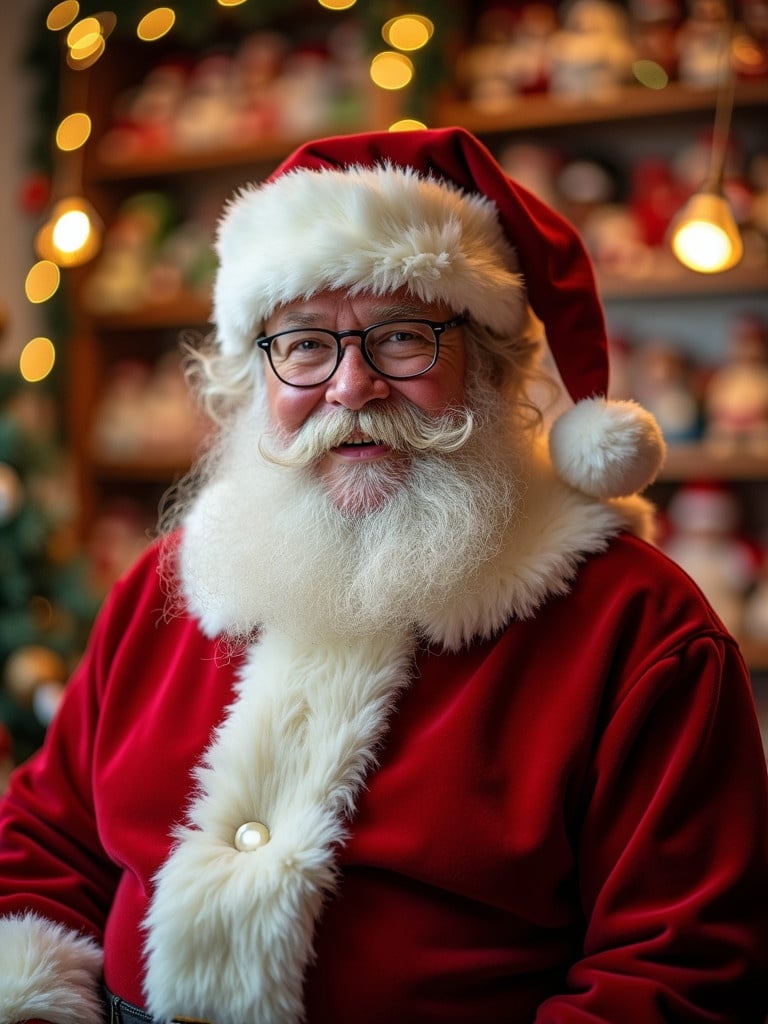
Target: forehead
[363,308]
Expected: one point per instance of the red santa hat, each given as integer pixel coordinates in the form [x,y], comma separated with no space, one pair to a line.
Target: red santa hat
[434,212]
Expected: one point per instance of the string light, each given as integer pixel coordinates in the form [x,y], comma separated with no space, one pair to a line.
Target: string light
[73,131]
[408,31]
[72,235]
[391,70]
[37,359]
[42,281]
[406,124]
[62,14]
[156,24]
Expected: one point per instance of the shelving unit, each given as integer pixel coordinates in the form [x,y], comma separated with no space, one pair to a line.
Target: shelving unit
[637,117]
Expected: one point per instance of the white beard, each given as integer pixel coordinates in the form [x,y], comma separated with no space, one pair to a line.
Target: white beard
[268,545]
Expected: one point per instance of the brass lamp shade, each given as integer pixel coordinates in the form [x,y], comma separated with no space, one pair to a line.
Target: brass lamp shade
[705,237]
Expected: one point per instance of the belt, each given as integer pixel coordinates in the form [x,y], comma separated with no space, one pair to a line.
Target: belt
[118,1011]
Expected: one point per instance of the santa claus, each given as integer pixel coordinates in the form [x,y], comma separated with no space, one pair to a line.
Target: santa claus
[401,718]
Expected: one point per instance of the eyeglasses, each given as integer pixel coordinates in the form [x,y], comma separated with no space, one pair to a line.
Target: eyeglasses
[398,349]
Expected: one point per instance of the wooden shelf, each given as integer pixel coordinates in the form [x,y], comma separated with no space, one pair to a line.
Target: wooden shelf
[184,311]
[524,113]
[172,162]
[675,281]
[701,461]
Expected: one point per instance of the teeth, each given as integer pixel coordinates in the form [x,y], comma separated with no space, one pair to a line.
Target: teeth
[359,442]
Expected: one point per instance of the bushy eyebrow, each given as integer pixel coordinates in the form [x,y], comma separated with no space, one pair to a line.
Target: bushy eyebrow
[399,311]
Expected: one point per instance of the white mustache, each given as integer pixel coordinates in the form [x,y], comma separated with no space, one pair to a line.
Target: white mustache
[402,427]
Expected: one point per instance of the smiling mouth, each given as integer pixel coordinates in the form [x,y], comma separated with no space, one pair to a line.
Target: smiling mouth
[364,441]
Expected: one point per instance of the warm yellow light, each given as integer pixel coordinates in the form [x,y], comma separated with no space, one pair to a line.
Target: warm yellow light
[337,5]
[71,231]
[37,359]
[42,281]
[156,24]
[62,14]
[705,237]
[72,235]
[650,74]
[407,124]
[83,58]
[230,3]
[408,31]
[73,131]
[390,70]
[84,35]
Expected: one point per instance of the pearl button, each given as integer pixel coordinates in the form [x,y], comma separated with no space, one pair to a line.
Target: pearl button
[251,836]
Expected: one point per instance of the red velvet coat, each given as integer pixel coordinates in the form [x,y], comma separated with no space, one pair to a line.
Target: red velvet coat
[567,823]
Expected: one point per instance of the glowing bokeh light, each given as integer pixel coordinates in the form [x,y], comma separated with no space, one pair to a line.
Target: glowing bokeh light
[37,359]
[156,24]
[42,281]
[408,31]
[337,5]
[650,74]
[84,35]
[391,70]
[62,14]
[73,132]
[407,124]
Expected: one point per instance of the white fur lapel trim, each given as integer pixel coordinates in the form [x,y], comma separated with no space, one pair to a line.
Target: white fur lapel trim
[230,933]
[48,972]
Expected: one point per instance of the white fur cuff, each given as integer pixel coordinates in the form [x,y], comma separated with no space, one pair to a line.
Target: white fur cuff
[47,971]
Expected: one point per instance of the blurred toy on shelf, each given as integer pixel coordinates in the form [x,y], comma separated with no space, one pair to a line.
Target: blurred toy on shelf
[117,538]
[535,167]
[144,116]
[736,395]
[146,413]
[654,25]
[663,379]
[704,539]
[591,54]
[152,257]
[703,42]
[120,280]
[266,85]
[750,40]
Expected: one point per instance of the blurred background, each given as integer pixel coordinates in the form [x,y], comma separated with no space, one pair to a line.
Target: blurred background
[126,126]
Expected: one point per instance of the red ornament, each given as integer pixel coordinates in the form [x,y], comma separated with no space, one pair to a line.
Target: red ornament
[35,193]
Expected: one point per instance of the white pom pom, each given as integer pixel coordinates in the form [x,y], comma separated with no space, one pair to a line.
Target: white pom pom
[607,449]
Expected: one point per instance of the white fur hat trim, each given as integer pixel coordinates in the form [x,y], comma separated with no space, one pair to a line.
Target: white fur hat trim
[364,230]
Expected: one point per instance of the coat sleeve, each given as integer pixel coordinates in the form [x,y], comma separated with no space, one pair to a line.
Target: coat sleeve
[673,848]
[56,880]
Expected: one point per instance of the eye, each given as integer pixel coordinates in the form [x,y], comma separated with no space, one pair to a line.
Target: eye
[304,345]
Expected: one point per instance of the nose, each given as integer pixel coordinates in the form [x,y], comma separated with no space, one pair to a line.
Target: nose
[355,383]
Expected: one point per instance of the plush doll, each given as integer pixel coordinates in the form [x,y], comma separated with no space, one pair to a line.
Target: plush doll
[704,540]
[736,398]
[591,55]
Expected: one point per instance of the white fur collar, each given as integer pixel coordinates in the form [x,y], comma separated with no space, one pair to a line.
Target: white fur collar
[293,753]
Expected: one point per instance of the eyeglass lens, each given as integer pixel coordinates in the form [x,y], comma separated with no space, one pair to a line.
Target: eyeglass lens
[398,349]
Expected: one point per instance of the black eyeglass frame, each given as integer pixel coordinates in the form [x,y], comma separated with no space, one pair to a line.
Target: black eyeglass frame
[437,327]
